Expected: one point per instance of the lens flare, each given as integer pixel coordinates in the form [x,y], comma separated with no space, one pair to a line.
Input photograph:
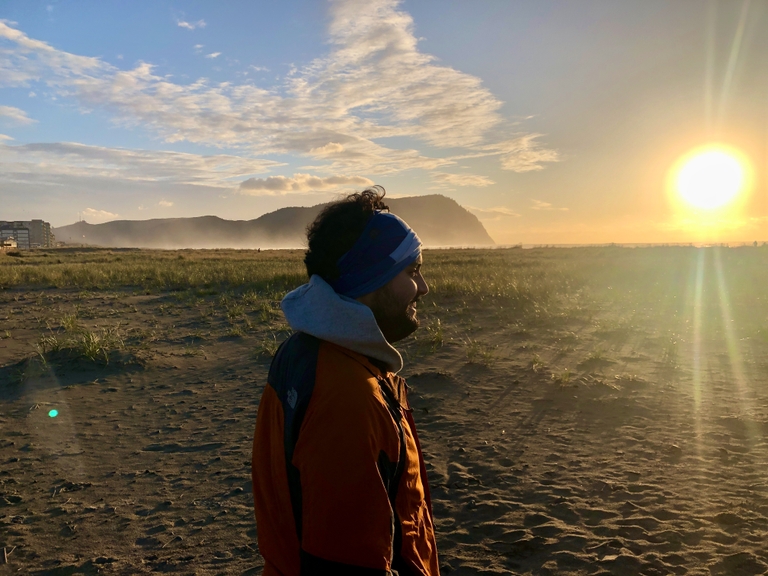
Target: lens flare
[53,413]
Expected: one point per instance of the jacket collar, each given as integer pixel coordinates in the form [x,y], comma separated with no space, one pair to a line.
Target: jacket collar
[316,309]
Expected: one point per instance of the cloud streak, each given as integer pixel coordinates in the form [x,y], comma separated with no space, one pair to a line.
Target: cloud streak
[55,163]
[493,214]
[540,205]
[373,84]
[191,25]
[300,183]
[98,215]
[461,179]
[525,154]
[15,115]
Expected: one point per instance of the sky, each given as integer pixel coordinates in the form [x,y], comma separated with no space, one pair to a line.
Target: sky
[554,122]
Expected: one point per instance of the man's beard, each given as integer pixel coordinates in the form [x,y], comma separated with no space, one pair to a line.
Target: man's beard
[395,319]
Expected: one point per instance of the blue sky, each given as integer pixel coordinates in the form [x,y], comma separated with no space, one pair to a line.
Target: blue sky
[553,121]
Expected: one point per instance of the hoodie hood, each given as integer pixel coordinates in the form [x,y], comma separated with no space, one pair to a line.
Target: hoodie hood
[316,309]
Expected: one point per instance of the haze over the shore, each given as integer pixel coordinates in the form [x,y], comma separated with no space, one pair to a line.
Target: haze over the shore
[438,220]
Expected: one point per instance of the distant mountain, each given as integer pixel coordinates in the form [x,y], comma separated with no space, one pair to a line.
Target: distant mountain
[439,221]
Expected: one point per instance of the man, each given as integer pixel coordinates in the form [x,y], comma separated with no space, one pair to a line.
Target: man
[339,482]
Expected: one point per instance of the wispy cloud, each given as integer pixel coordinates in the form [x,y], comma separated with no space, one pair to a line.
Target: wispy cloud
[191,25]
[540,205]
[165,204]
[213,55]
[31,60]
[376,69]
[493,214]
[461,179]
[98,215]
[56,163]
[340,110]
[300,183]
[525,154]
[16,115]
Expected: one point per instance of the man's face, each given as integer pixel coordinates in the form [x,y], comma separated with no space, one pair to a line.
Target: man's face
[394,305]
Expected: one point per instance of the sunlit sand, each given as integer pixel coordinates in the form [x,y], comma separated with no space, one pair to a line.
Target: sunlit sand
[584,410]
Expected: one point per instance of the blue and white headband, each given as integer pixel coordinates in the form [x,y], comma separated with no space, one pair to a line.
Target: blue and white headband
[386,247]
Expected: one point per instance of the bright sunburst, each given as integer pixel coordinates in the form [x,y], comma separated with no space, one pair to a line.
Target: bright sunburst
[711,178]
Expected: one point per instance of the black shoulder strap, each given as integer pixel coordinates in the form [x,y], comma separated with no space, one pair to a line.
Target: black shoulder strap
[392,475]
[292,375]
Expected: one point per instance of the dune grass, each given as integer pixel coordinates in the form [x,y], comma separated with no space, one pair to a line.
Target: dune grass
[482,301]
[95,345]
[538,282]
[155,270]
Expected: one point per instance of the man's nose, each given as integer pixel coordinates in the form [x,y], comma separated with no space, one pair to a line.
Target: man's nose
[421,286]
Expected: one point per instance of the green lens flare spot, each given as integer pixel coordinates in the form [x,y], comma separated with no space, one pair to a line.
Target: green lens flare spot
[53,413]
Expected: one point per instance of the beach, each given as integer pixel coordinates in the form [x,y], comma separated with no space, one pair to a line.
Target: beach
[581,411]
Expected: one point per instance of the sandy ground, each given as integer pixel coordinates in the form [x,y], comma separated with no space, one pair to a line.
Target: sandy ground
[648,456]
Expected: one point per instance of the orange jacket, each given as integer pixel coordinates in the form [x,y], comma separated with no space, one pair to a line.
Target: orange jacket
[339,482]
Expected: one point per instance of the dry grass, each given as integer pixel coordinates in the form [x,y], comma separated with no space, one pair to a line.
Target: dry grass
[518,287]
[268,272]
[95,346]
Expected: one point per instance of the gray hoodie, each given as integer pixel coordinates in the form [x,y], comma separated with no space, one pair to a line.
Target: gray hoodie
[316,309]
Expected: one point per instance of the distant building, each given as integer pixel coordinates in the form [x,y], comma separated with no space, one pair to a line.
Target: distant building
[28,234]
[8,244]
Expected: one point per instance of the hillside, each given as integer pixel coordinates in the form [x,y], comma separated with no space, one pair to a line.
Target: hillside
[438,220]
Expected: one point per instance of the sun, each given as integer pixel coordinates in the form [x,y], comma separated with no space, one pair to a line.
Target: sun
[710,179]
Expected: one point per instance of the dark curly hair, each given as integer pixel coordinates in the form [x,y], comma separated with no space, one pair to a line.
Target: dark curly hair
[337,228]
